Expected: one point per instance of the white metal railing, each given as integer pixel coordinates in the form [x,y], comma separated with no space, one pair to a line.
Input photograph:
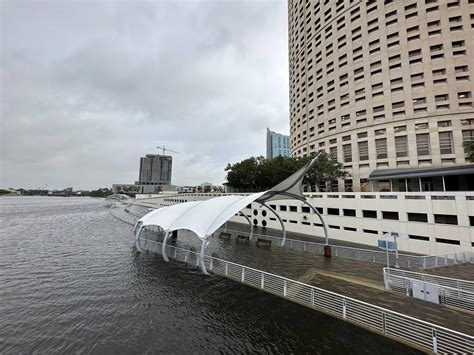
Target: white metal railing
[451,292]
[416,332]
[375,256]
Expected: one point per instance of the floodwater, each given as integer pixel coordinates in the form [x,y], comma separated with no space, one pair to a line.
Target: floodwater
[70,281]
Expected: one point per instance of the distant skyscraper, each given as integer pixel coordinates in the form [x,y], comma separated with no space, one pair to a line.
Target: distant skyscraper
[155,171]
[277,145]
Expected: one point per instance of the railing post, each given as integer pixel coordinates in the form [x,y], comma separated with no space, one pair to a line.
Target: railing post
[312,297]
[424,263]
[243,274]
[344,308]
[284,287]
[304,246]
[445,259]
[262,281]
[435,342]
[185,257]
[212,264]
[226,269]
[175,250]
[384,322]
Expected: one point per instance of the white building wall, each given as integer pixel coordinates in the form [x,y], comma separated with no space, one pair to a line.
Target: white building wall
[365,230]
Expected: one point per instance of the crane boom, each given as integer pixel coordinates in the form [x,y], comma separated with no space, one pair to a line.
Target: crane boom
[165,149]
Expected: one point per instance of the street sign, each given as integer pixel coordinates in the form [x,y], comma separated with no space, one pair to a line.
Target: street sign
[387,245]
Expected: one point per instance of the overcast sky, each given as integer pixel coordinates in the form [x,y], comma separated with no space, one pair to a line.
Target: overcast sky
[87,87]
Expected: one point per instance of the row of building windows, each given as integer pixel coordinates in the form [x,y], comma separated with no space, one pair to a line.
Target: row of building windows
[391,18]
[400,141]
[389,215]
[419,105]
[367,231]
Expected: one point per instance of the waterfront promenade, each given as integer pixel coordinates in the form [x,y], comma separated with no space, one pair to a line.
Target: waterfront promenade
[352,278]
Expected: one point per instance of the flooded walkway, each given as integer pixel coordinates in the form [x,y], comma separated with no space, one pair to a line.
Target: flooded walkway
[357,279]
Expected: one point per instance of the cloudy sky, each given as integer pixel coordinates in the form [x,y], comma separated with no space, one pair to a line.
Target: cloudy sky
[87,87]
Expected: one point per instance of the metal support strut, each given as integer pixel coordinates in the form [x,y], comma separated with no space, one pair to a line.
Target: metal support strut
[283,237]
[137,239]
[163,246]
[201,258]
[325,227]
[250,223]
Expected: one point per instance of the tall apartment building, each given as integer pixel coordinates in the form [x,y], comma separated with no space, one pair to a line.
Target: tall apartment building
[386,88]
[155,172]
[277,145]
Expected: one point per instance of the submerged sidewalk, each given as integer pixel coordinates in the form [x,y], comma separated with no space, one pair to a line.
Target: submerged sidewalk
[357,279]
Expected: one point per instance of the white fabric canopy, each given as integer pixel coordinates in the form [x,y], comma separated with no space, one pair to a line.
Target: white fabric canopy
[205,217]
[201,217]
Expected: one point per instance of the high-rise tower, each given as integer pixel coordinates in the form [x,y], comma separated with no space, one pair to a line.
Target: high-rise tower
[384,85]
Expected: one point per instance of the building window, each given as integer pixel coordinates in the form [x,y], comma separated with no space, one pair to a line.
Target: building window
[446,142]
[349,212]
[448,241]
[467,138]
[369,214]
[417,217]
[347,153]
[381,148]
[333,211]
[390,215]
[423,144]
[446,219]
[348,185]
[401,146]
[363,150]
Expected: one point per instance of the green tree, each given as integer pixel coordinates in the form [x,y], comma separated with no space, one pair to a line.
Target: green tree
[104,192]
[324,171]
[258,173]
[469,148]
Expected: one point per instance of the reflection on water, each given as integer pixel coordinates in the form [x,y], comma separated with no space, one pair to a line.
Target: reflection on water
[71,281]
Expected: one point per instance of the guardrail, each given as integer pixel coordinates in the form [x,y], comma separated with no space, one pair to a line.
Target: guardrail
[374,256]
[451,292]
[418,333]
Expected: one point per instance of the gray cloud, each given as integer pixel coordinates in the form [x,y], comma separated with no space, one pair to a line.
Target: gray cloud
[89,87]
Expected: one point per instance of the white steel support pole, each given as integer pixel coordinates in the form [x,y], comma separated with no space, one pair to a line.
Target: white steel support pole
[250,224]
[325,227]
[163,246]
[137,239]
[201,258]
[283,229]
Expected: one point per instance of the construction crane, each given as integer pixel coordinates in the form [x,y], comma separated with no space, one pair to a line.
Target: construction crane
[164,150]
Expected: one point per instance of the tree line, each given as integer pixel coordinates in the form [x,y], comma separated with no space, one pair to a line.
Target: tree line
[259,174]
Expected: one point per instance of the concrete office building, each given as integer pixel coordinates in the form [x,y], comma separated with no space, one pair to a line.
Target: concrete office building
[155,173]
[386,88]
[277,145]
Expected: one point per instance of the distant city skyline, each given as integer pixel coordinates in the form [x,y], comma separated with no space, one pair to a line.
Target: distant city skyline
[87,88]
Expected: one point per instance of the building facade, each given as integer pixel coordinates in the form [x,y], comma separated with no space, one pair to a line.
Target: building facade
[384,84]
[277,145]
[155,173]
